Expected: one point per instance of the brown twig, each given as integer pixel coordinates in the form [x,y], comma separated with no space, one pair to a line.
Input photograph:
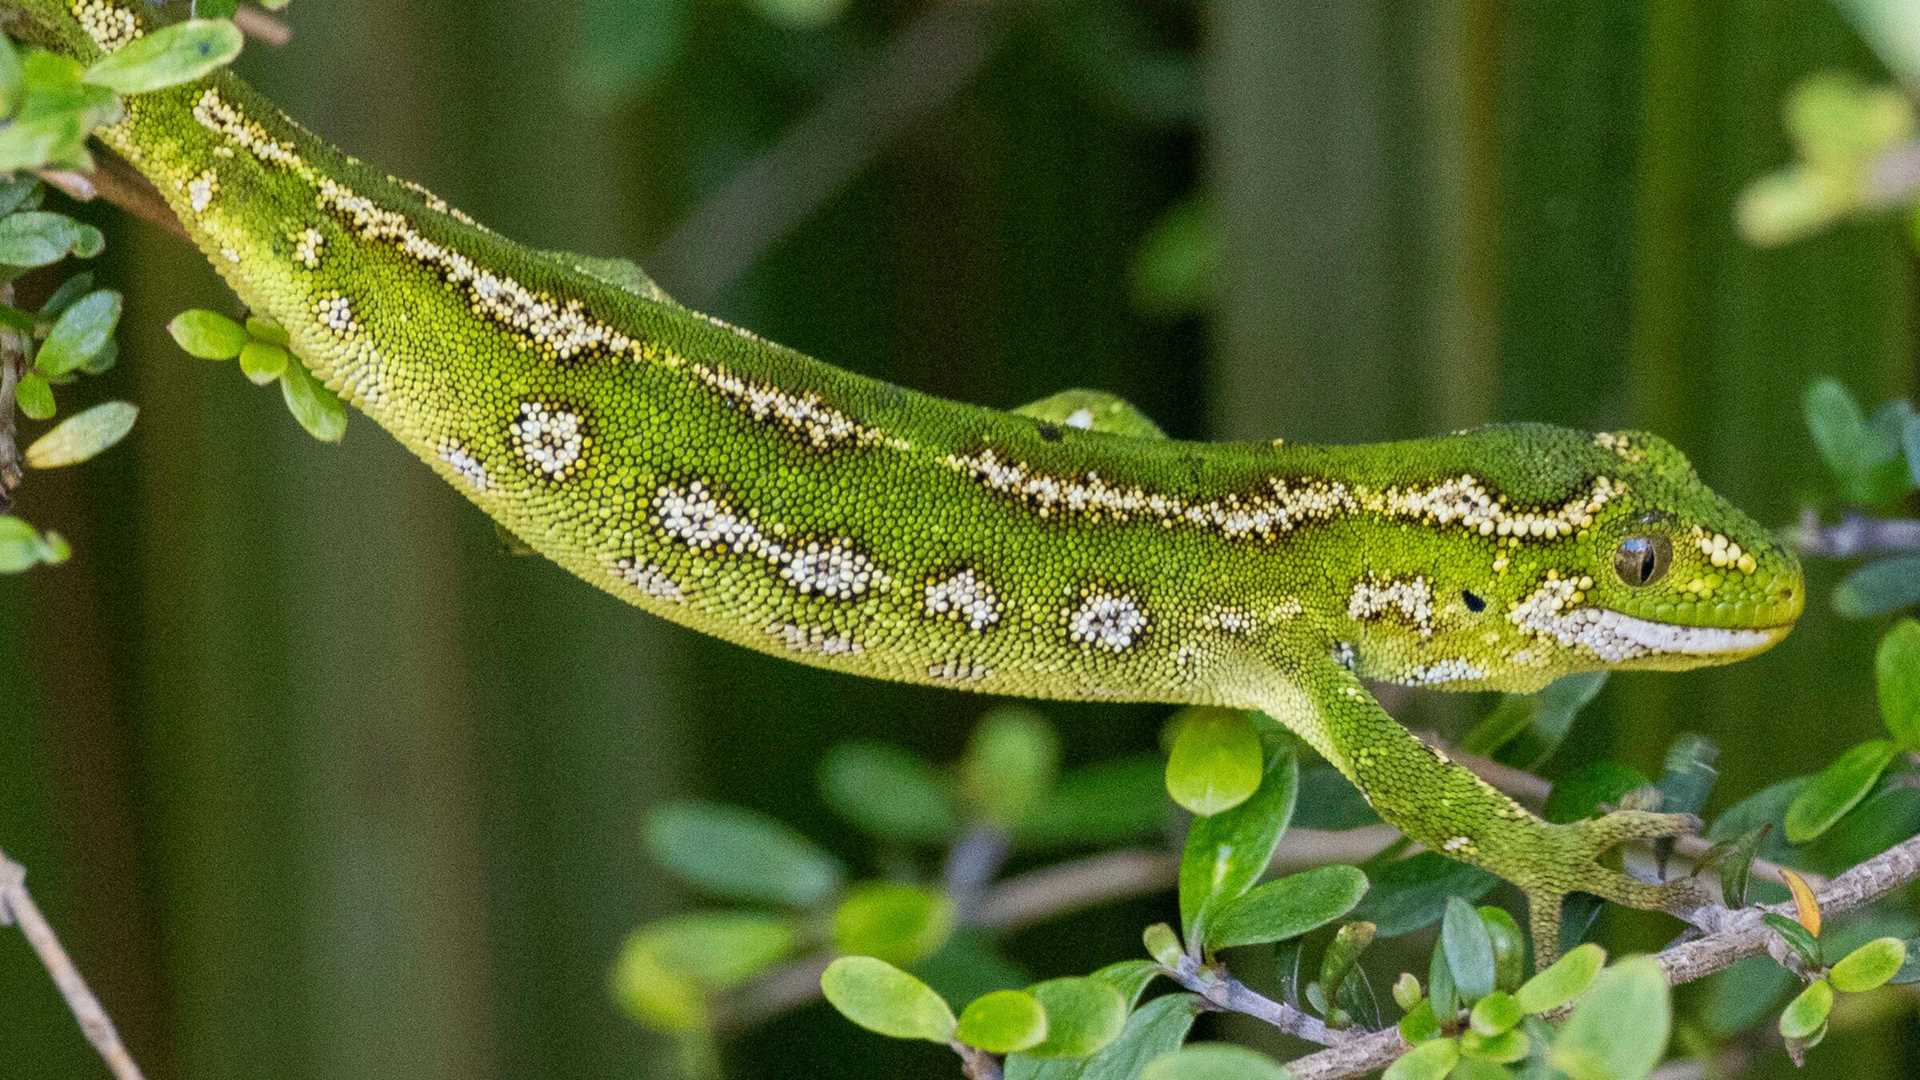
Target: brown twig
[116,182]
[16,905]
[13,365]
[1736,936]
[262,27]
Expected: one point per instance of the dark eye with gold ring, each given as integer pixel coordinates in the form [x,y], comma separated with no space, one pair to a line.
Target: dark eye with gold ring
[1642,560]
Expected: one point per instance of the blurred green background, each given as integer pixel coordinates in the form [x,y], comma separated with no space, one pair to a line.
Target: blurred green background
[319,783]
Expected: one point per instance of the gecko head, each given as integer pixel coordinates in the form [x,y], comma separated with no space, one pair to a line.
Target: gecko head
[1586,552]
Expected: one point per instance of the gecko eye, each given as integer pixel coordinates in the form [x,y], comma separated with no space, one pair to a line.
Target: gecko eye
[1642,560]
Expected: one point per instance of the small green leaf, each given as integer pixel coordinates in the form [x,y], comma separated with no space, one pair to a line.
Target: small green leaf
[1419,1024]
[1839,430]
[36,238]
[738,853]
[1879,587]
[1156,1028]
[1330,801]
[34,395]
[1406,991]
[167,57]
[1442,994]
[1509,948]
[887,792]
[1083,1015]
[1837,789]
[1215,764]
[1567,978]
[1226,853]
[1504,1048]
[1869,966]
[1342,958]
[1630,998]
[315,406]
[262,363]
[658,996]
[1807,1013]
[1162,944]
[88,241]
[83,435]
[208,335]
[1431,1060]
[1175,268]
[1411,893]
[1495,1013]
[1896,669]
[1287,907]
[1735,860]
[261,328]
[214,9]
[901,924]
[883,999]
[1214,1061]
[1797,937]
[1130,977]
[1010,764]
[1910,442]
[1910,968]
[1002,1022]
[63,297]
[82,330]
[1469,950]
[22,548]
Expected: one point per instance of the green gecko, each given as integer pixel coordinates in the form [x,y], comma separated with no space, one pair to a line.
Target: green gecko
[1065,550]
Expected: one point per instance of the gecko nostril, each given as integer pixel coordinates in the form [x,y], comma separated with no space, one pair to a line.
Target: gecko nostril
[1472,600]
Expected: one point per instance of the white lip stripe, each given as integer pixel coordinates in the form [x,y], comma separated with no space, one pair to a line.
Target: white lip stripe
[1672,638]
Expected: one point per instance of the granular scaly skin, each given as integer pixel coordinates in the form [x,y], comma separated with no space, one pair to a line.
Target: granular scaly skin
[1063,551]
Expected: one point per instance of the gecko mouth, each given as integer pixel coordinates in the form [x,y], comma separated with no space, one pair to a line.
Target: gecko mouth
[1614,637]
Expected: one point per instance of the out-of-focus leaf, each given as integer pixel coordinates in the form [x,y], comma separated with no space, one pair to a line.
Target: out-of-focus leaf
[1879,587]
[1010,764]
[1215,764]
[803,14]
[1910,439]
[1896,668]
[168,56]
[1002,1022]
[1214,1061]
[1156,1028]
[901,924]
[1442,994]
[22,547]
[1495,1013]
[1524,730]
[11,78]
[63,297]
[1910,968]
[1419,1024]
[1687,776]
[1330,801]
[1565,979]
[735,852]
[1740,997]
[1863,459]
[1804,944]
[1734,859]
[1226,853]
[1431,1060]
[1892,29]
[1807,1013]
[1176,266]
[1483,1055]
[1111,802]
[1083,1015]
[1631,997]
[208,335]
[1287,907]
[83,435]
[1411,893]
[317,408]
[1342,956]
[1869,966]
[881,998]
[1581,792]
[1469,950]
[968,965]
[1837,789]
[215,9]
[82,330]
[626,45]
[888,792]
[666,969]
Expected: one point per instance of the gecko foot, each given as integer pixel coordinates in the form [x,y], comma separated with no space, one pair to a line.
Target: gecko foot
[1570,859]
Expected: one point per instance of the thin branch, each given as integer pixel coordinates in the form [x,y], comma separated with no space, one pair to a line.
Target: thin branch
[1738,935]
[116,182]
[16,905]
[1224,993]
[977,1064]
[1855,535]
[262,27]
[13,364]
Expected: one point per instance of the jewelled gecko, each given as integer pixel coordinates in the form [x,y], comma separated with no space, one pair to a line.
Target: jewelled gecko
[1062,550]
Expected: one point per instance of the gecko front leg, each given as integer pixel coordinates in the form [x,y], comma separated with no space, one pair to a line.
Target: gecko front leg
[1444,806]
